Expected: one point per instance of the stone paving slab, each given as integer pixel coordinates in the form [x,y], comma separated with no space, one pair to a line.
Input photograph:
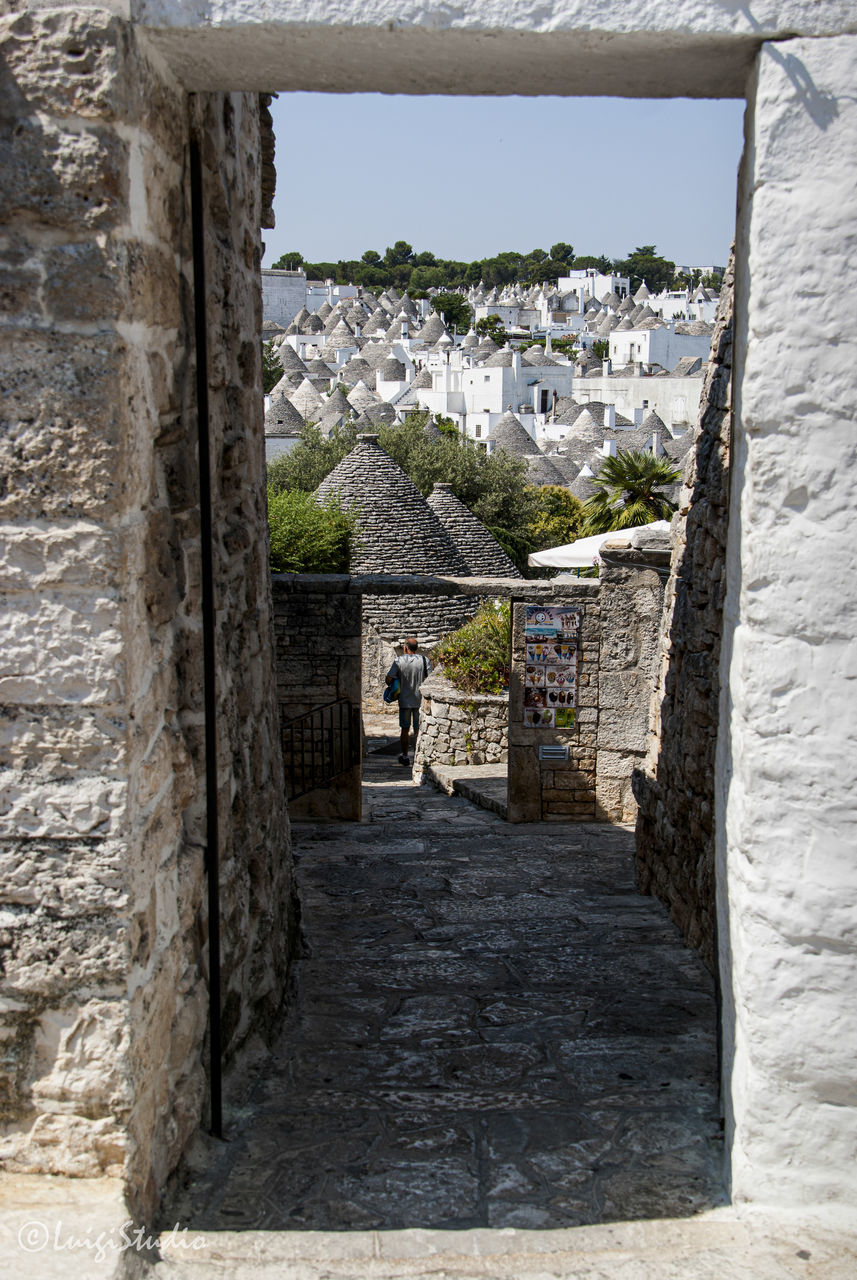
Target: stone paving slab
[485,785]
[492,1030]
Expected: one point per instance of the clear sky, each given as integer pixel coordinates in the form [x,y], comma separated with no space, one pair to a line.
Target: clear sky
[469,177]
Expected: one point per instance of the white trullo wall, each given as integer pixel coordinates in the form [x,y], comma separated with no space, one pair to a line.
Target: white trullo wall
[788,743]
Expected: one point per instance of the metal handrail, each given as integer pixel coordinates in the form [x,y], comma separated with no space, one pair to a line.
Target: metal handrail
[319,746]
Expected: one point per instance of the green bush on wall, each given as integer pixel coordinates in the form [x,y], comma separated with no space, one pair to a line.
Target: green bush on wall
[475,659]
[308,537]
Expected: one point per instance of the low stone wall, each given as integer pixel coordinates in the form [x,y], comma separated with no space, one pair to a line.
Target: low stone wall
[460,728]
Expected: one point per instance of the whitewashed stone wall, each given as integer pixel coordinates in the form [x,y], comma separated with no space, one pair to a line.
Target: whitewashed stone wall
[103,1006]
[787,748]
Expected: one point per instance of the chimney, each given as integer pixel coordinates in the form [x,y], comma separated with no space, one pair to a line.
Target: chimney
[609,417]
[404,328]
[607,368]
[638,368]
[657,445]
[639,415]
[581,305]
[608,448]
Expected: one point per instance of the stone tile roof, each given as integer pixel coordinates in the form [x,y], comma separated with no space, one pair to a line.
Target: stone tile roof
[697,328]
[486,347]
[537,357]
[290,360]
[324,311]
[543,471]
[362,396]
[482,554]
[356,370]
[397,531]
[307,400]
[337,402]
[433,329]
[423,381]
[378,322]
[687,367]
[341,335]
[499,360]
[510,434]
[375,353]
[642,293]
[281,416]
[392,370]
[313,325]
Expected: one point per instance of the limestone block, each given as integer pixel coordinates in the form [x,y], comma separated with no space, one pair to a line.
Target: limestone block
[60,433]
[66,878]
[39,554]
[71,1145]
[56,176]
[80,806]
[48,956]
[78,1057]
[60,648]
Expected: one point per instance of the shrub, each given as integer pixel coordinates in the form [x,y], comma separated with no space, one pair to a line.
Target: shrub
[307,537]
[475,659]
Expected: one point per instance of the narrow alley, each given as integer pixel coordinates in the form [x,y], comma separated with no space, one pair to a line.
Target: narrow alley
[491,1029]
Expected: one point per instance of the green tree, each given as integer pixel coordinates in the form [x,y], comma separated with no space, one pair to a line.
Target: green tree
[399,254]
[589,263]
[313,458]
[455,311]
[645,264]
[289,261]
[371,257]
[491,327]
[307,537]
[562,252]
[601,348]
[558,518]
[627,492]
[272,370]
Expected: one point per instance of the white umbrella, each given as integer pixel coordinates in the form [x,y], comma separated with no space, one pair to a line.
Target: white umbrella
[585,552]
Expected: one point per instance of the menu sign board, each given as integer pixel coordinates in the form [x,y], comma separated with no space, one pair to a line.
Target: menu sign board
[551,634]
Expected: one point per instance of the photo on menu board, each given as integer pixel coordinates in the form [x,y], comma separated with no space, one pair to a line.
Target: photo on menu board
[538,719]
[564,717]
[545,622]
[535,697]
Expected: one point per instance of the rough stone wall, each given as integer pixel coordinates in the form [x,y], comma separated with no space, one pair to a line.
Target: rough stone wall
[556,791]
[388,621]
[460,728]
[632,594]
[674,787]
[317,640]
[104,996]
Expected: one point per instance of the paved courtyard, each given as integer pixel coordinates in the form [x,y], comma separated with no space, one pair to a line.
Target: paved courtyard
[491,1029]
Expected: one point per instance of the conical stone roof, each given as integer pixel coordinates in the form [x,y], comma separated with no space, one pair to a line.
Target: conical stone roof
[361,397]
[324,311]
[510,434]
[500,360]
[301,318]
[537,357]
[306,400]
[433,329]
[313,325]
[392,370]
[654,422]
[341,335]
[397,531]
[482,553]
[290,360]
[422,382]
[642,293]
[336,402]
[281,416]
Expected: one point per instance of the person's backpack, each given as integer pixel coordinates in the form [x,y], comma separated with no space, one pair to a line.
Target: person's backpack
[392,690]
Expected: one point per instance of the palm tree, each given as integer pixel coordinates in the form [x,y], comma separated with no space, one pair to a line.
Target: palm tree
[627,492]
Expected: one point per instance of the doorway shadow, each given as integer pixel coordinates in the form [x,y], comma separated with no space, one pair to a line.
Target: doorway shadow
[492,1029]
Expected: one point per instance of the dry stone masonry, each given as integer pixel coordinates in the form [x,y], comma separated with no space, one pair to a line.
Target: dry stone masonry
[675,786]
[460,728]
[103,921]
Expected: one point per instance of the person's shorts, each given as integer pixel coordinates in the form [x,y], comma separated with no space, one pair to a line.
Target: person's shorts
[407,715]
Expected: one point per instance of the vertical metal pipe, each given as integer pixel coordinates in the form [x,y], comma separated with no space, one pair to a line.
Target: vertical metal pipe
[212,839]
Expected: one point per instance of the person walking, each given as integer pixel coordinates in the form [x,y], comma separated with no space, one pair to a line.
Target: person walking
[411,669]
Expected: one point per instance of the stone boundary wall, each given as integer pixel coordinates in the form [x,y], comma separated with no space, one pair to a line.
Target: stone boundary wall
[674,786]
[102,886]
[460,728]
[317,650]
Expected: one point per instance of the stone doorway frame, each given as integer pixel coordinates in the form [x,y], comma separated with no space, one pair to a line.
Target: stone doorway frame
[787,965]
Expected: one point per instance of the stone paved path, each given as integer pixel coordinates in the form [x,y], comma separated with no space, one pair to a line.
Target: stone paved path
[492,1029]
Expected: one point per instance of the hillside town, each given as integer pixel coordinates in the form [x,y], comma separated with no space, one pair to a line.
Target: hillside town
[581,369]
